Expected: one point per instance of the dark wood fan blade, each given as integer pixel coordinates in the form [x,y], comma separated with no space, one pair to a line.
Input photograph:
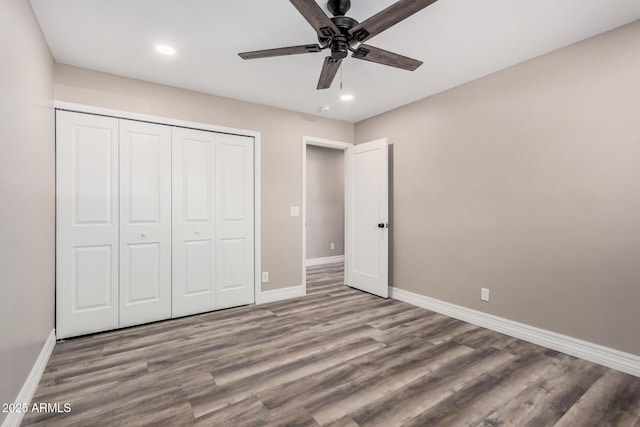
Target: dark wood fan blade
[381,56]
[281,51]
[314,14]
[329,70]
[390,16]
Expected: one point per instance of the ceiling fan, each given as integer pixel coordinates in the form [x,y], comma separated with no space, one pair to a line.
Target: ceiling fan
[342,35]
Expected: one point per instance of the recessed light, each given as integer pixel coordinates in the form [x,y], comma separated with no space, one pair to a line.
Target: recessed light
[165,50]
[346,97]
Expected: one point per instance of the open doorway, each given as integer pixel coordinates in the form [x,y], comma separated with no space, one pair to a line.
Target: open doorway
[325,206]
[323,203]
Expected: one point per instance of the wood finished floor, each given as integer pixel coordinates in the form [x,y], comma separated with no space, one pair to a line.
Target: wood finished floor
[336,357]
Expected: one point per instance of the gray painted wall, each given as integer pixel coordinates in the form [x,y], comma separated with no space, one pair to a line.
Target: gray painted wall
[325,202]
[282,133]
[527,182]
[26,195]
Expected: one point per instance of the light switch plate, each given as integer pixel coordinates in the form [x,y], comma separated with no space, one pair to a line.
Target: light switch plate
[294,210]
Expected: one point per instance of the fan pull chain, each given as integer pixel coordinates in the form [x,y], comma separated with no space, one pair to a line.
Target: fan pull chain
[340,77]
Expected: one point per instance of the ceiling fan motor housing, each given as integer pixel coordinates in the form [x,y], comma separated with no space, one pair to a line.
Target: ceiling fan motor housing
[339,47]
[340,43]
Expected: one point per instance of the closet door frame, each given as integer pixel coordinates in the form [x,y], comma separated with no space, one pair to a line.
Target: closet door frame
[257,182]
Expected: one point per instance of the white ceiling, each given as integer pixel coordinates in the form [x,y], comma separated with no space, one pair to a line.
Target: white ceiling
[458,40]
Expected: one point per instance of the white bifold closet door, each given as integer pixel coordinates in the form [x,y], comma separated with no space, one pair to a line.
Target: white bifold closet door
[86,224]
[145,222]
[212,221]
[234,221]
[194,255]
[152,222]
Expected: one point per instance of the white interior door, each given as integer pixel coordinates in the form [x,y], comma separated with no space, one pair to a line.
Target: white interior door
[368,217]
[234,221]
[145,222]
[194,249]
[87,224]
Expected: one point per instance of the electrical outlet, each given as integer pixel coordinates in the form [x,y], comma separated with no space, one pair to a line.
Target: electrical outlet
[265,277]
[333,246]
[484,294]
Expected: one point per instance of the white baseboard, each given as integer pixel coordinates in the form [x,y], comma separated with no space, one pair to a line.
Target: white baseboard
[596,353]
[31,383]
[281,294]
[326,260]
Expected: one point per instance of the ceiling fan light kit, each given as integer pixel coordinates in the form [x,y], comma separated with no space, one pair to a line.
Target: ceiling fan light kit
[342,34]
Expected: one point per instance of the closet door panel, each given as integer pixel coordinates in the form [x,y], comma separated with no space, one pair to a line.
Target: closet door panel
[234,221]
[92,277]
[144,273]
[145,222]
[86,224]
[198,271]
[194,254]
[232,268]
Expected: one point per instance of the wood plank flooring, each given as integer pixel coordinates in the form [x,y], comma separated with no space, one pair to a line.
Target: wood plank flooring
[336,357]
